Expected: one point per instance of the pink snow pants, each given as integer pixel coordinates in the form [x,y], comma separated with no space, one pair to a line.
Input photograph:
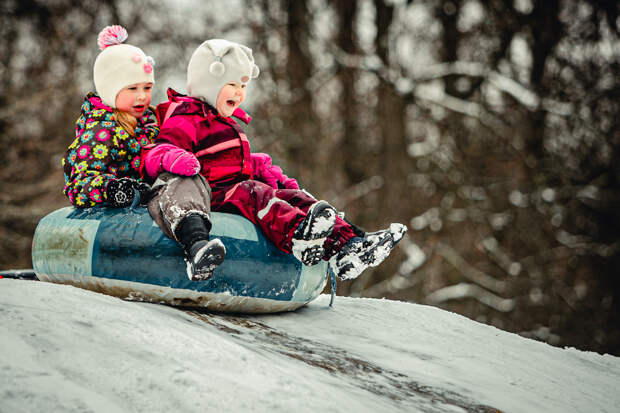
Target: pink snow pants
[277,212]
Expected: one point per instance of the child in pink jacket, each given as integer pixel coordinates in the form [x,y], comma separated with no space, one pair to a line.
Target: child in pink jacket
[245,183]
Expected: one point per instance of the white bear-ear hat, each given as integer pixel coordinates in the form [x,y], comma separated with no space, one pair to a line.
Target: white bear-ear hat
[215,63]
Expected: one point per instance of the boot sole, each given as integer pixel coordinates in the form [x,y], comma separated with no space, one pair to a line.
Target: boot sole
[356,264]
[207,260]
[320,221]
[308,246]
[382,249]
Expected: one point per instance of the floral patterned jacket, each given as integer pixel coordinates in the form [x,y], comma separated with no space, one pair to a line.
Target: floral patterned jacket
[103,151]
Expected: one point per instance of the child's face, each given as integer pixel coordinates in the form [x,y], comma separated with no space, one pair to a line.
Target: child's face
[230,97]
[134,99]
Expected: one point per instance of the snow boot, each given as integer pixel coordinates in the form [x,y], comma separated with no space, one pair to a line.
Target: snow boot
[370,251]
[201,254]
[203,257]
[310,235]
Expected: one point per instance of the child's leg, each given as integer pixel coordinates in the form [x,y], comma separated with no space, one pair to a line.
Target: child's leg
[310,236]
[342,233]
[294,221]
[260,203]
[177,197]
[343,230]
[181,208]
[349,249]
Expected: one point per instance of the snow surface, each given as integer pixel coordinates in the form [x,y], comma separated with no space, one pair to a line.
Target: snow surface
[67,349]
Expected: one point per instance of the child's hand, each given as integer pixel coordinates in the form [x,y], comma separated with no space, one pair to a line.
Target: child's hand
[261,163]
[270,174]
[121,193]
[180,162]
[289,183]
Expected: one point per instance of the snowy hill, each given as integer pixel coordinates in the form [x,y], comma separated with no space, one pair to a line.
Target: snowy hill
[66,349]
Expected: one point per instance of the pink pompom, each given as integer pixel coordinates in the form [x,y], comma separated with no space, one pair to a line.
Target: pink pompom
[111,35]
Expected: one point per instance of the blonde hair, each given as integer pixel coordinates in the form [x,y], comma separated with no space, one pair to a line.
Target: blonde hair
[127,120]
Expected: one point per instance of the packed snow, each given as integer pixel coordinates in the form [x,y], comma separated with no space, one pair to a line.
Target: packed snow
[67,349]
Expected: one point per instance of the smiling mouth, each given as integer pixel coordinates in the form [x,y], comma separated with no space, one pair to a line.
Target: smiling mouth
[139,107]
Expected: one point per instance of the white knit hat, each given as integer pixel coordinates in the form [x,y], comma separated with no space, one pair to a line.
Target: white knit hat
[215,63]
[119,65]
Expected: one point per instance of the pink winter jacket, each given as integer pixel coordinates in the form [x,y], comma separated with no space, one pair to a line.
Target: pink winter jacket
[219,144]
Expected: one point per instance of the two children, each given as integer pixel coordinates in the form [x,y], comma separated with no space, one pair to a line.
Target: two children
[200,160]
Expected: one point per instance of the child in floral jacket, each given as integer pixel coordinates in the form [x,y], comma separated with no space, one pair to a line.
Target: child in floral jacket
[246,183]
[103,166]
[104,152]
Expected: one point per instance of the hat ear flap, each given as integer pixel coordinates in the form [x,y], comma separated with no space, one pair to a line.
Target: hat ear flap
[255,72]
[217,68]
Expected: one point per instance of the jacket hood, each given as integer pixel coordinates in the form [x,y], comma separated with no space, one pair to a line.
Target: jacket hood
[93,108]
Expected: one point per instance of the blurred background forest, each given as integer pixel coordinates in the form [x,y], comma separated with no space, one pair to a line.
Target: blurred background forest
[489,127]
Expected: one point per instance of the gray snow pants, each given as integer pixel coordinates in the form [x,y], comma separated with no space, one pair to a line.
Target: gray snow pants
[176,196]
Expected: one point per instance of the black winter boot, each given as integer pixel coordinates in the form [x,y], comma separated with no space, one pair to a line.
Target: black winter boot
[203,257]
[201,254]
[369,251]
[312,232]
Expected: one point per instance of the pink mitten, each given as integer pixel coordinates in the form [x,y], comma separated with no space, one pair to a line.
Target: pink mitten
[180,162]
[282,181]
[260,163]
[272,175]
[167,157]
[290,183]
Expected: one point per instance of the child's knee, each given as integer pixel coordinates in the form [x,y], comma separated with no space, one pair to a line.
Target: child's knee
[251,185]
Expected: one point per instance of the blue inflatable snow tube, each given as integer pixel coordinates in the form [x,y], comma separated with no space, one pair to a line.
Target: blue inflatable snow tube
[122,252]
